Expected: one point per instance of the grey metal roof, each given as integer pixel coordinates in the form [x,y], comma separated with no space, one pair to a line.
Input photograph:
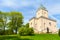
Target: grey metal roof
[42,7]
[32,18]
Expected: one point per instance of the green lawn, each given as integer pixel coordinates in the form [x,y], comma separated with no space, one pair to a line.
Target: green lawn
[43,37]
[35,37]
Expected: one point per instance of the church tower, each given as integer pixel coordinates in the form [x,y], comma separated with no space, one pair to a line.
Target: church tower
[42,11]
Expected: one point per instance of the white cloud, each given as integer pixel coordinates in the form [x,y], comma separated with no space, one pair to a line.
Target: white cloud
[19,3]
[7,3]
[54,9]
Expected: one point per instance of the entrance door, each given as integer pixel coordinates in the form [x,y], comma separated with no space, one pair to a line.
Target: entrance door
[47,30]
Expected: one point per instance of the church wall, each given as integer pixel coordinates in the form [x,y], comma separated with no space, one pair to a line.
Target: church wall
[31,23]
[38,22]
[37,26]
[34,25]
[50,24]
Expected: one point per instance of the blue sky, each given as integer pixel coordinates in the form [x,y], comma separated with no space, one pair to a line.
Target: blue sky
[29,8]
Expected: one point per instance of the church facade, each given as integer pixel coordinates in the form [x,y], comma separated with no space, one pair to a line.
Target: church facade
[42,23]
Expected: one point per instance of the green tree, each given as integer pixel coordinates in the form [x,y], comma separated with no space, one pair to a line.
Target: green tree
[3,20]
[16,20]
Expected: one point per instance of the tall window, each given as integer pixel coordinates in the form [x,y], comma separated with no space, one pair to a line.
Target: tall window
[55,25]
[31,23]
[35,25]
[38,13]
[50,23]
[44,23]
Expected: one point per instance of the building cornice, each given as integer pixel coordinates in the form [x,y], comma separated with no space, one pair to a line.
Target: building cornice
[48,18]
[43,17]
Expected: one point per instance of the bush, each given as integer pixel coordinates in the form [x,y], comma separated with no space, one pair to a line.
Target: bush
[8,32]
[30,31]
[23,31]
[59,32]
[1,32]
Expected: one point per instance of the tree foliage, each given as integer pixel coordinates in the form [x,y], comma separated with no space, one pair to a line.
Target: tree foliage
[27,25]
[23,31]
[11,20]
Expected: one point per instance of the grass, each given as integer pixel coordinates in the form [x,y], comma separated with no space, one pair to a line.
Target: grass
[35,37]
[12,37]
[43,37]
[8,37]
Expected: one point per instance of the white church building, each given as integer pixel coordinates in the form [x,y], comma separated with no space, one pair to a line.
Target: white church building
[42,23]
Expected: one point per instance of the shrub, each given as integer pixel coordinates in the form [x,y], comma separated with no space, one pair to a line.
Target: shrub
[59,32]
[30,31]
[1,32]
[23,31]
[8,32]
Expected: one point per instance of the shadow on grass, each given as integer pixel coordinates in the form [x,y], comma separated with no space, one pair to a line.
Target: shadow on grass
[25,39]
[12,38]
